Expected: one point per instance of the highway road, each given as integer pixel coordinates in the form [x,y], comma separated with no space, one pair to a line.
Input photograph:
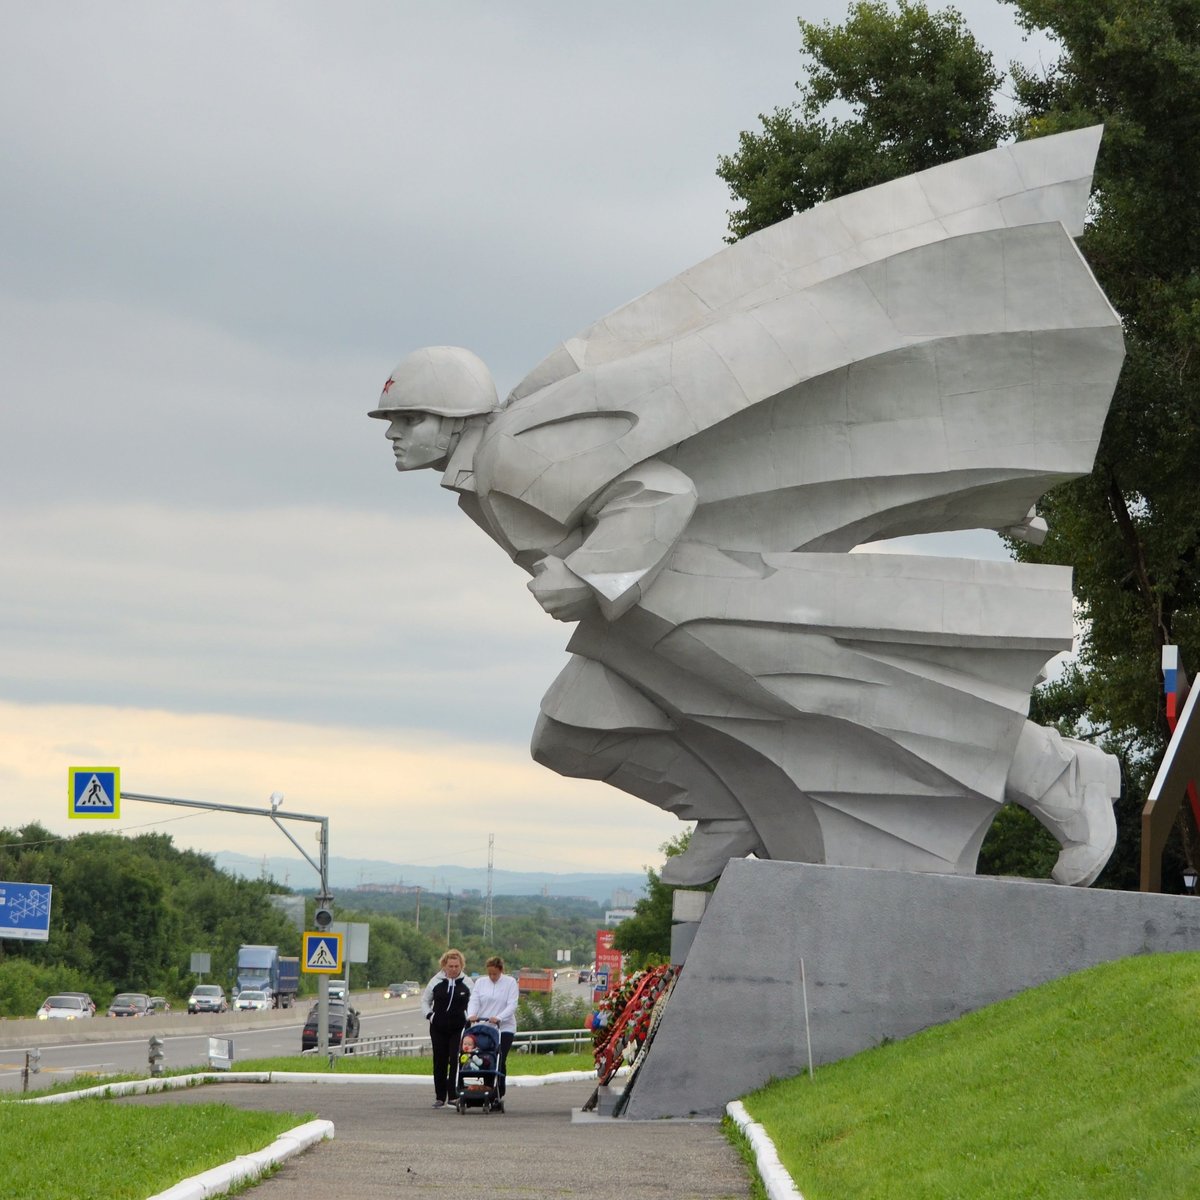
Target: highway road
[183,1049]
[186,1038]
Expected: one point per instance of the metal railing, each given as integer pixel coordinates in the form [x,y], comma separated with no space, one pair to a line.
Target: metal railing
[408,1045]
[528,1041]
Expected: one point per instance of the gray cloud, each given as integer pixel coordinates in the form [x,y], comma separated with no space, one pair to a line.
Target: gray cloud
[223,225]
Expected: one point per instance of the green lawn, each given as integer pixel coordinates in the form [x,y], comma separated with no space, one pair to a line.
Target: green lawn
[362,1064]
[131,1153]
[1087,1087]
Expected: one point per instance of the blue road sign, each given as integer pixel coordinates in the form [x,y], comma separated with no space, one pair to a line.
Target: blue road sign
[322,953]
[94,792]
[25,911]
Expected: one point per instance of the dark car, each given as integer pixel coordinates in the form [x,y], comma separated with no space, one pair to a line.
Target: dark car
[130,1004]
[343,1026]
[402,991]
[207,997]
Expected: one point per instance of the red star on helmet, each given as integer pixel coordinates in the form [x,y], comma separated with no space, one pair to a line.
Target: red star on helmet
[387,386]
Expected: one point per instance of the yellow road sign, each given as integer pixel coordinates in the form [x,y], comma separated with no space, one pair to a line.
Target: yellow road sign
[322,954]
[94,793]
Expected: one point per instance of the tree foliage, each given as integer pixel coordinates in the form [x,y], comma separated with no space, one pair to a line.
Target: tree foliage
[645,938]
[126,915]
[527,931]
[919,90]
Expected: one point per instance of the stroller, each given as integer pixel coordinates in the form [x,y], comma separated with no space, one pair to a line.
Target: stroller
[479,1070]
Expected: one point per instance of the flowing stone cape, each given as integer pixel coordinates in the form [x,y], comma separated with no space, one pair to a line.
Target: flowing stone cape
[930,354]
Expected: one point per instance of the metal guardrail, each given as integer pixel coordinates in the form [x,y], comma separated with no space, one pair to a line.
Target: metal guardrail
[527,1042]
[407,1045]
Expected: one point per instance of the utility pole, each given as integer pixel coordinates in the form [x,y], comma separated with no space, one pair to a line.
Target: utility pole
[418,908]
[487,904]
[447,918]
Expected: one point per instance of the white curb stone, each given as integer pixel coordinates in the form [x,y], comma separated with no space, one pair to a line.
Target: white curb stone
[775,1178]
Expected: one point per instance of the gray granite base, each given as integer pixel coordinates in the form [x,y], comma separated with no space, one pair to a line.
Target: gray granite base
[879,955]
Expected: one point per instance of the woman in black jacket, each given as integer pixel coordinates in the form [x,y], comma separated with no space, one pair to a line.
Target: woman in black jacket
[444,1003]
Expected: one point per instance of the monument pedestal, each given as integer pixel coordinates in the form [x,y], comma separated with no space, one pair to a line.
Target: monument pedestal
[885,954]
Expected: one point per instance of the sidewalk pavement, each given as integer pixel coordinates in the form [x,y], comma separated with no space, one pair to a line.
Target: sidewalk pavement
[389,1142]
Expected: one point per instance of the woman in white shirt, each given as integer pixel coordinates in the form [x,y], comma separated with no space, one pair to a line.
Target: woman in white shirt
[494,1002]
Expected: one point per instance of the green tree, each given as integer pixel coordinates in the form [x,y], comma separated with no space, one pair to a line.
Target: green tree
[645,938]
[397,951]
[919,89]
[126,915]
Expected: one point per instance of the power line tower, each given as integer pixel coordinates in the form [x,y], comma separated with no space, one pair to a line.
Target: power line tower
[487,904]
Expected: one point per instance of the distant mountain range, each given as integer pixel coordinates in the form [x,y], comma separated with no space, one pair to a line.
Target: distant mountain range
[346,874]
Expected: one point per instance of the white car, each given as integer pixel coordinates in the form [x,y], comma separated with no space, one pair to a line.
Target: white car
[252,1000]
[64,1008]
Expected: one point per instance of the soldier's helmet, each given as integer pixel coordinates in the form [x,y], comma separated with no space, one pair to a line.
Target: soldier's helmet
[446,380]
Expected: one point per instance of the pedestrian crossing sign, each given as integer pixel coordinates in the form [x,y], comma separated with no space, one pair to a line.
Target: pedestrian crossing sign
[94,793]
[322,954]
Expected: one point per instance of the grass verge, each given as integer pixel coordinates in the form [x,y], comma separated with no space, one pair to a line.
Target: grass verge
[50,1150]
[1084,1087]
[362,1064]
[741,1143]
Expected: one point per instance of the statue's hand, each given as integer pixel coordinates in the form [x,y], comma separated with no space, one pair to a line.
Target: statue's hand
[560,591]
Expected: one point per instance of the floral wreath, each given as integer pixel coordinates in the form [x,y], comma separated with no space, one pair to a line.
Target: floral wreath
[627,1017]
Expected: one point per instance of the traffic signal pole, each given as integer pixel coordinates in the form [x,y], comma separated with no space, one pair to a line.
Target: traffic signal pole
[324,901]
[321,867]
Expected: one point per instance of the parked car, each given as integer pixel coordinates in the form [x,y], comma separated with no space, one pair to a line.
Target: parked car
[130,1004]
[402,991]
[208,997]
[159,1004]
[252,1000]
[65,1007]
[343,1025]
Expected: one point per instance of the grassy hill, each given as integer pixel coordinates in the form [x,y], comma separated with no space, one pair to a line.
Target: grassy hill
[1085,1087]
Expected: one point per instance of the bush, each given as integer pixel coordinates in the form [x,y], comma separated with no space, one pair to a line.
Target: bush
[24,985]
[550,1011]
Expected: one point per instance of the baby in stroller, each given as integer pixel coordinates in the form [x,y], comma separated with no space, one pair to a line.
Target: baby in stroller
[476,1057]
[478,1054]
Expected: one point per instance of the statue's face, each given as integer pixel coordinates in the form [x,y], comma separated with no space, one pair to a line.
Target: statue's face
[418,440]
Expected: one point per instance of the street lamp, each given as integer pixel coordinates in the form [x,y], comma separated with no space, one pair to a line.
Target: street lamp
[1189,878]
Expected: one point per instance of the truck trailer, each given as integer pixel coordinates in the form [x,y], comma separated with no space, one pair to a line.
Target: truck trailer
[264,967]
[530,980]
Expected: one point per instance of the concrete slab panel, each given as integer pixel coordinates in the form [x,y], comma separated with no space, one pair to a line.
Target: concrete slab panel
[885,954]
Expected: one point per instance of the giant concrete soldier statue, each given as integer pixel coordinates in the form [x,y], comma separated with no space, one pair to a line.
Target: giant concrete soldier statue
[688,478]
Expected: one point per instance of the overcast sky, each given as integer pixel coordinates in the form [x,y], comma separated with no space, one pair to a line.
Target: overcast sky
[223,223]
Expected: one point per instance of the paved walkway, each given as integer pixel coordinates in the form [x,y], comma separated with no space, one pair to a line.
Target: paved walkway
[390,1143]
